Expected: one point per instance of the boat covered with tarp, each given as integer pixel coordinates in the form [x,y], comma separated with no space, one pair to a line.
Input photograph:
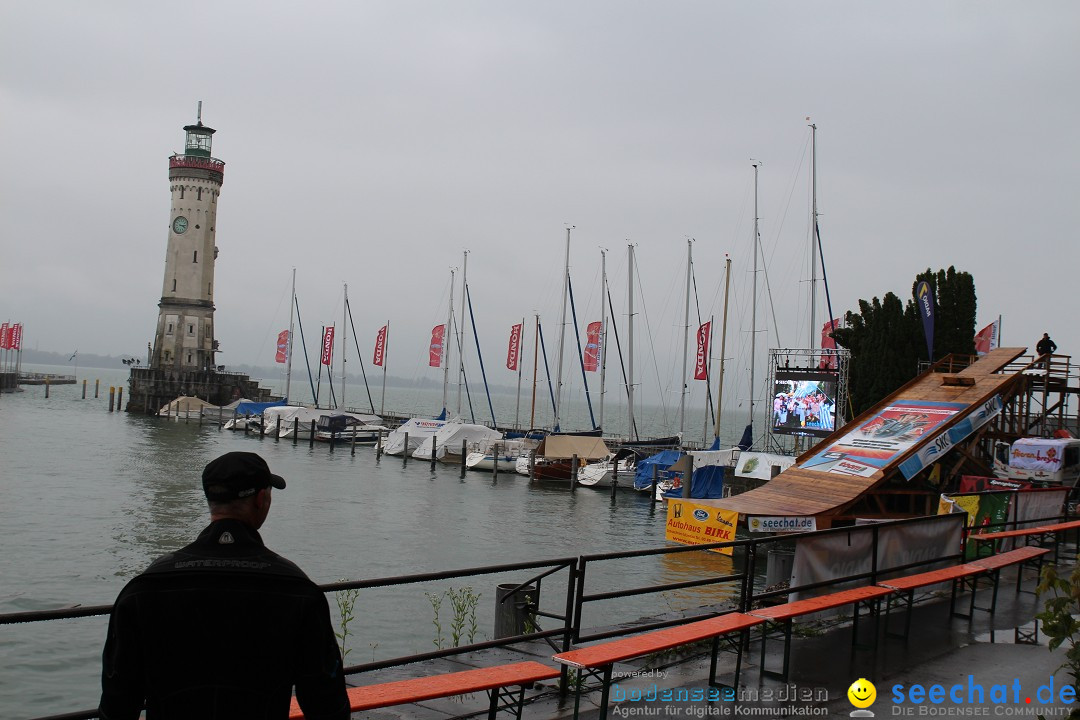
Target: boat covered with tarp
[446,443]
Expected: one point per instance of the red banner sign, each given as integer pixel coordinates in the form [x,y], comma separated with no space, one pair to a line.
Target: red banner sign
[16,336]
[282,347]
[5,337]
[701,361]
[592,348]
[987,338]
[828,362]
[328,345]
[513,351]
[380,346]
[436,348]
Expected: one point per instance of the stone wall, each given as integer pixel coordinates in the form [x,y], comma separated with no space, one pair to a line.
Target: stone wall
[150,389]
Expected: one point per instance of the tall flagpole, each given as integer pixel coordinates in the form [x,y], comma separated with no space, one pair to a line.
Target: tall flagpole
[344,332]
[685,341]
[385,354]
[288,364]
[603,330]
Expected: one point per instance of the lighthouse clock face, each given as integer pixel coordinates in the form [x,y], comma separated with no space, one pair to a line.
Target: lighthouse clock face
[179,225]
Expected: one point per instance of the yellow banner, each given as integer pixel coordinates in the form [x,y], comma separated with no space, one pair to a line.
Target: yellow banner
[692,524]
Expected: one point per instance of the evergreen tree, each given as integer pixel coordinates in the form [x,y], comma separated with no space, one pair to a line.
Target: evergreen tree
[886,337]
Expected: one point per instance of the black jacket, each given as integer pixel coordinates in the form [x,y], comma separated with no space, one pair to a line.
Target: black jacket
[223,628]
[1046,346]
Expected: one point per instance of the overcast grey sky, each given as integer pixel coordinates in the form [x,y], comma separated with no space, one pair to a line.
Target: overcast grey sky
[371,143]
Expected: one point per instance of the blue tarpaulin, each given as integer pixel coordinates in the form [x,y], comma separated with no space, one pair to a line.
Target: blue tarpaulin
[254,408]
[707,484]
[663,459]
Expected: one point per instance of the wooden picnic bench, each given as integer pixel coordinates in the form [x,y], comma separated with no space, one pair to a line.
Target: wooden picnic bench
[957,575]
[1039,533]
[786,613]
[598,660]
[493,680]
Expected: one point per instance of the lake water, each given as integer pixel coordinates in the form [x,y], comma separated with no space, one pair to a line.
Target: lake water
[88,498]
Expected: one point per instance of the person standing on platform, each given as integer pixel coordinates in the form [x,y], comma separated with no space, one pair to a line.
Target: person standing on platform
[224,628]
[1046,346]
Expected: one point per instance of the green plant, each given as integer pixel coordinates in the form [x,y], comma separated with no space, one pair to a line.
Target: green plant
[346,602]
[1059,618]
[463,602]
[436,604]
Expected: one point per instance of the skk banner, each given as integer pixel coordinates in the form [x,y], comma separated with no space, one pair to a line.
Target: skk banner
[701,360]
[435,350]
[282,346]
[5,337]
[592,348]
[513,350]
[692,524]
[987,338]
[380,346]
[328,345]
[924,298]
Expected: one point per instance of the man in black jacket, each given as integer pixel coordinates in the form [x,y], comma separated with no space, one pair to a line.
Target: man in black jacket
[224,628]
[1046,346]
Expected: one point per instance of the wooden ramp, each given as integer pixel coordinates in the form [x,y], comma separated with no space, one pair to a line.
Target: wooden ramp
[825,480]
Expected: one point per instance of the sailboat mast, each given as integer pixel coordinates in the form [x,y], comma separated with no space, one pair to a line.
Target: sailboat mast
[562,332]
[517,410]
[753,304]
[288,364]
[385,355]
[344,332]
[685,340]
[723,346]
[536,362]
[603,331]
[630,342]
[814,332]
[461,330]
[446,345]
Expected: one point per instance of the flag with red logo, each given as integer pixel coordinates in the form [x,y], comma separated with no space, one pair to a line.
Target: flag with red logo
[282,346]
[701,360]
[5,337]
[16,336]
[328,345]
[513,351]
[592,347]
[380,346]
[987,338]
[436,348]
[828,362]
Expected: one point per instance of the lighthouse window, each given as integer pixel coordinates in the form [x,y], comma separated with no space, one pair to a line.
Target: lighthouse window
[209,288]
[198,194]
[181,192]
[190,329]
[189,358]
[169,332]
[196,257]
[174,285]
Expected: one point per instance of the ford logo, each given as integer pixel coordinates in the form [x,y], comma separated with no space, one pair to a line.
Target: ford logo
[701,515]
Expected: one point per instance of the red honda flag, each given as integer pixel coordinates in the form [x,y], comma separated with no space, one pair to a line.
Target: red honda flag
[282,346]
[16,336]
[513,351]
[701,360]
[987,338]
[328,345]
[592,347]
[380,347]
[828,362]
[436,348]
[5,337]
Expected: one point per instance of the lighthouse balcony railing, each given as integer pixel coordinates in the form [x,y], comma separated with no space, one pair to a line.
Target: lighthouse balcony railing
[201,163]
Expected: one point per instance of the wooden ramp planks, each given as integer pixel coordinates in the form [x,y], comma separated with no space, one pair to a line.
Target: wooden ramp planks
[798,491]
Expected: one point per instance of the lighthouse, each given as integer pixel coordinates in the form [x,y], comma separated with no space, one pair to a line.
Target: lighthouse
[185,329]
[183,357]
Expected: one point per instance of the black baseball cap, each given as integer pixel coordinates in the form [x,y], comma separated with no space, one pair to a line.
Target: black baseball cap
[238,475]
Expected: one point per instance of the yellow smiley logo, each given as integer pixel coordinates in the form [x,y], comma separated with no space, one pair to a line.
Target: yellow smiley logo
[862,693]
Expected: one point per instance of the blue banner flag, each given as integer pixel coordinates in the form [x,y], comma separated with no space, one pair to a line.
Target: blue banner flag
[924,298]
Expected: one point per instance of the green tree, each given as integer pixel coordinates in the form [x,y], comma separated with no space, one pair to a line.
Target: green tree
[886,337]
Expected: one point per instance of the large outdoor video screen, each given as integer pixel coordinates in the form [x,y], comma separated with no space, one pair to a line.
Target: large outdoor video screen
[804,402]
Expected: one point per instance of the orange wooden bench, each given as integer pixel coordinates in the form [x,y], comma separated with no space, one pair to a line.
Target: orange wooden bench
[493,680]
[599,659]
[787,612]
[1040,533]
[1027,555]
[906,586]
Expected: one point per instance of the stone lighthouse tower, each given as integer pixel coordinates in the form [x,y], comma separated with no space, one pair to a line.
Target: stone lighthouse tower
[185,329]
[183,356]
